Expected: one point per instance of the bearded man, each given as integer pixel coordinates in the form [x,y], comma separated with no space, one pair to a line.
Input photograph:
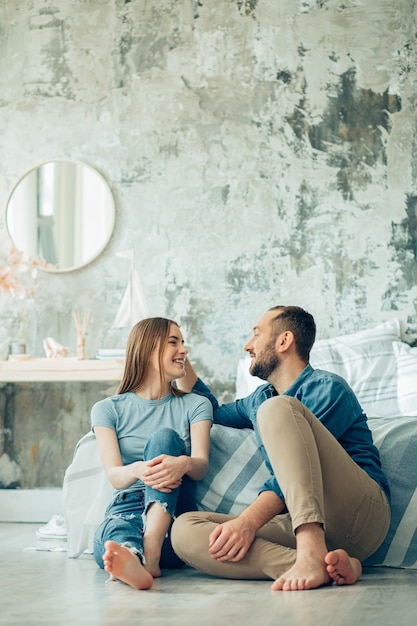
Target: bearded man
[325,507]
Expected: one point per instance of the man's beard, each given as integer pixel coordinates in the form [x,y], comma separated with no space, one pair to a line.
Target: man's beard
[265,363]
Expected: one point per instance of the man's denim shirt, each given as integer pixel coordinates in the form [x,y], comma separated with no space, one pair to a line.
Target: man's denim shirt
[329,398]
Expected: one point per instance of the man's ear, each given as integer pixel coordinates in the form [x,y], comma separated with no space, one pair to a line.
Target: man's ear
[284,341]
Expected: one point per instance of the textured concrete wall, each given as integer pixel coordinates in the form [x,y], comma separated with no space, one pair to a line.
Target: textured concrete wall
[259,152]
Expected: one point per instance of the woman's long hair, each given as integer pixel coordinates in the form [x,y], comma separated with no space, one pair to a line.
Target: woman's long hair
[142,341]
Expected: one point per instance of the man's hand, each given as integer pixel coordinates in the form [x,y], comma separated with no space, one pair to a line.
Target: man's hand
[231,541]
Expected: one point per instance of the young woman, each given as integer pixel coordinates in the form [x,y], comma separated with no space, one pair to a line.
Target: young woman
[153,441]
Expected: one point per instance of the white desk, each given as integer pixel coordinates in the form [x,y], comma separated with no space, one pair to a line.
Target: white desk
[38,505]
[60,369]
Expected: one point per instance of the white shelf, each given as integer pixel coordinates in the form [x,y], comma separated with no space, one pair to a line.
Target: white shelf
[60,369]
[38,505]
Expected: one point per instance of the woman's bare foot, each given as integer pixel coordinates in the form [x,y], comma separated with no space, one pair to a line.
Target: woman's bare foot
[125,565]
[308,572]
[342,568]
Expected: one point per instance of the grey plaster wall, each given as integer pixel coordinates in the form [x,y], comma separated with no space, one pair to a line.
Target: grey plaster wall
[259,152]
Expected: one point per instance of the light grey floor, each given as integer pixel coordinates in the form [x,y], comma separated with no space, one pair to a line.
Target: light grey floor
[45,587]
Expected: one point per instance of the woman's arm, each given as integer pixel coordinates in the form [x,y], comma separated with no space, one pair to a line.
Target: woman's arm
[121,476]
[200,448]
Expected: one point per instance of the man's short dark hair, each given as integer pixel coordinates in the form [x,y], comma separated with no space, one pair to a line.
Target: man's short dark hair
[300,323]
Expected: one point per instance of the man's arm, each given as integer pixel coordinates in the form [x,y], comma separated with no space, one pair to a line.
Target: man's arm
[235,414]
[231,541]
[187,382]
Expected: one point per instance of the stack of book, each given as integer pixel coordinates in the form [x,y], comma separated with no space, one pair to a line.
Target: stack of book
[111,353]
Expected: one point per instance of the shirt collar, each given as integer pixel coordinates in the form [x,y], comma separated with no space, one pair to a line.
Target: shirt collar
[291,391]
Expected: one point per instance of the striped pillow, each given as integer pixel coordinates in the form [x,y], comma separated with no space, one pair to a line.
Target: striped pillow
[397,444]
[406,378]
[366,360]
[237,472]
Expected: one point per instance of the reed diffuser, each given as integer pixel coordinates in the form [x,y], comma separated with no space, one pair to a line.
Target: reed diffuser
[81,330]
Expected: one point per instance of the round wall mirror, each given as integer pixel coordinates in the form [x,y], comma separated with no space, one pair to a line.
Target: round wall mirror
[61,212]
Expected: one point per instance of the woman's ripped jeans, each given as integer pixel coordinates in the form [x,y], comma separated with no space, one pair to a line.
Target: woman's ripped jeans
[124,517]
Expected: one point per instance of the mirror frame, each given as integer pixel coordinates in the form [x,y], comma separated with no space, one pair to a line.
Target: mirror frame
[57,270]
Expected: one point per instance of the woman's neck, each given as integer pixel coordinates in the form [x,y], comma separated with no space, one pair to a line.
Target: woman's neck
[151,390]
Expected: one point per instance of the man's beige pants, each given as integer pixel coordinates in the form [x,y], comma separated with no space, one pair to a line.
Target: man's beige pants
[320,483]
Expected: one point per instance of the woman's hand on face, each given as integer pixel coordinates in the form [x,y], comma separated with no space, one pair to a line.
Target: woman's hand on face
[164,472]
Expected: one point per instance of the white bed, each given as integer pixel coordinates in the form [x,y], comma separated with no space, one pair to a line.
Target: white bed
[381,369]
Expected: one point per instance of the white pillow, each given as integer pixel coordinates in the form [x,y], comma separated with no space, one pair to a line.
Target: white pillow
[86,494]
[366,360]
[406,378]
[245,382]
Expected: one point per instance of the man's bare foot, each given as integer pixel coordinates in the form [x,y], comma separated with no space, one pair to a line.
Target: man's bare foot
[125,565]
[308,572]
[342,568]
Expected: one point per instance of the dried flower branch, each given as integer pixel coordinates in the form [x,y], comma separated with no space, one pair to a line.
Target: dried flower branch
[11,279]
